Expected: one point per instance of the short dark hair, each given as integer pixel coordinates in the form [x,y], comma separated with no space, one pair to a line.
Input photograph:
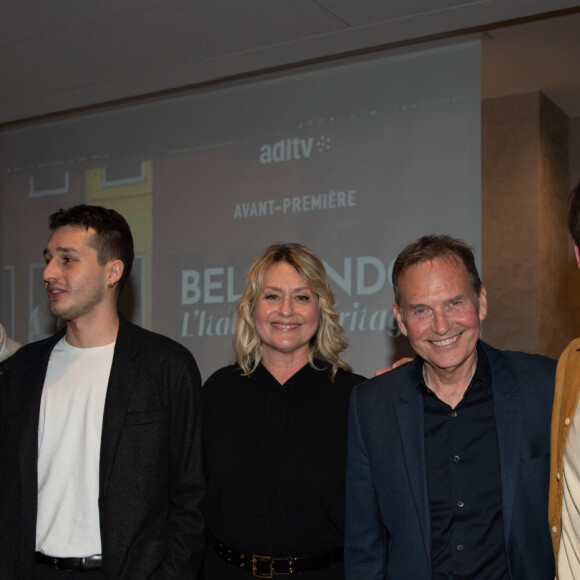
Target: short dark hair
[428,248]
[112,239]
[574,214]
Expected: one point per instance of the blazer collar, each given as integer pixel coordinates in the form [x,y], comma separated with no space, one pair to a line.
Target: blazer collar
[410,416]
[31,373]
[509,409]
[34,375]
[122,380]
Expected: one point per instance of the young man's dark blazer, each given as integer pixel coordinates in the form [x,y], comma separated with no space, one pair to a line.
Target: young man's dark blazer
[388,522]
[151,480]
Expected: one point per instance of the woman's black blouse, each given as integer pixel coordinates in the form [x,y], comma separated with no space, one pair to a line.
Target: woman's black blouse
[275,463]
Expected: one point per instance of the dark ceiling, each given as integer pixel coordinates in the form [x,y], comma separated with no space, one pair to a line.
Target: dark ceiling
[64,55]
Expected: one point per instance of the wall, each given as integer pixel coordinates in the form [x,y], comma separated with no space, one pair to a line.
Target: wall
[527,263]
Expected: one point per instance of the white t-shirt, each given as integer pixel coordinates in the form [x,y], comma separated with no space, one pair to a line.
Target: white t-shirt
[569,552]
[69,441]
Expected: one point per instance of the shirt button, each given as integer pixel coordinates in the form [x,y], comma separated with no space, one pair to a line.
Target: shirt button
[554,529]
[460,503]
[460,547]
[567,421]
[558,476]
[453,414]
[456,458]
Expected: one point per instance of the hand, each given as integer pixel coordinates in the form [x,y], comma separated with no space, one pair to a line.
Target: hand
[396,364]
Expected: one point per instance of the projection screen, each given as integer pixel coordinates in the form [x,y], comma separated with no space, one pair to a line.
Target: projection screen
[354,160]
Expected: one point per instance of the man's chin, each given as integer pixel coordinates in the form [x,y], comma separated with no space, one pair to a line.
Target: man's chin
[450,363]
[60,314]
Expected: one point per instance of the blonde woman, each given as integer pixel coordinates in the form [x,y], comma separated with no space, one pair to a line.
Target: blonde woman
[275,428]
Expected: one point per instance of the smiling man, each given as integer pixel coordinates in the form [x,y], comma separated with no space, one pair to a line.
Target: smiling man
[449,454]
[101,471]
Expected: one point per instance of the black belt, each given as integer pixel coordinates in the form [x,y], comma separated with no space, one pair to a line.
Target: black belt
[270,566]
[71,564]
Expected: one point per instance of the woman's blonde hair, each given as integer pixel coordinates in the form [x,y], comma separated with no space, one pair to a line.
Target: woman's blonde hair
[326,344]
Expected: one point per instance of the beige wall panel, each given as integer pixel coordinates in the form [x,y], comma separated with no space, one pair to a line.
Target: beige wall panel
[555,299]
[526,255]
[510,237]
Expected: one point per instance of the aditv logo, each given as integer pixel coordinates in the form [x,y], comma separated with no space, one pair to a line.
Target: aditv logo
[293,149]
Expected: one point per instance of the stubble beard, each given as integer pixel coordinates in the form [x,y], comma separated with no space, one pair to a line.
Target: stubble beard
[87,299]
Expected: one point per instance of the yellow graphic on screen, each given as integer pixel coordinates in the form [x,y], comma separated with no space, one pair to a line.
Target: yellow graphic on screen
[127,187]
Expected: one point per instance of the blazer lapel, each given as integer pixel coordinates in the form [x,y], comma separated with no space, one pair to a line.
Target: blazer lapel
[29,399]
[119,390]
[508,421]
[29,433]
[410,416]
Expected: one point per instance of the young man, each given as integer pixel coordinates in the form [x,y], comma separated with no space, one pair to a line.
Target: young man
[564,509]
[101,471]
[448,455]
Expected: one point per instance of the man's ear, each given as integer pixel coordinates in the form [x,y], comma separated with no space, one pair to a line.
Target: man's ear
[482,303]
[399,318]
[116,269]
[577,252]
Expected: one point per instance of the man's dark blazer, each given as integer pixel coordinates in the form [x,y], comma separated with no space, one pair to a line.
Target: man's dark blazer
[151,479]
[388,522]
